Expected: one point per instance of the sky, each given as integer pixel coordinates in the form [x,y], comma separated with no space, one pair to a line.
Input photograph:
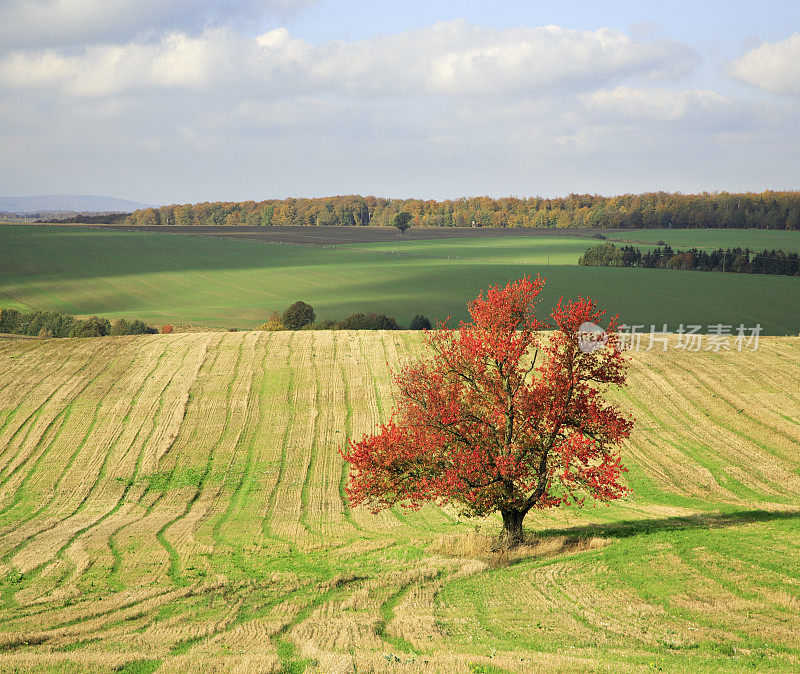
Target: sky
[177,101]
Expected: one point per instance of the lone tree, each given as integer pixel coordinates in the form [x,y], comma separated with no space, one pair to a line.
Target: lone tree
[298,316]
[402,221]
[501,417]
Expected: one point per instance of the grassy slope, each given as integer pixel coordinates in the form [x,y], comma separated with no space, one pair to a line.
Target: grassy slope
[176,501]
[562,250]
[755,239]
[185,280]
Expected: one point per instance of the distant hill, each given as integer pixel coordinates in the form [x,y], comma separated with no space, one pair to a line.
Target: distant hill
[68,203]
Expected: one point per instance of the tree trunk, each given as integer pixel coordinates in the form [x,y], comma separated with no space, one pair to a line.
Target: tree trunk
[512,534]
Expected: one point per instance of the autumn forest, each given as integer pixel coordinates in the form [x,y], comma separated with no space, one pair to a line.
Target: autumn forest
[764,210]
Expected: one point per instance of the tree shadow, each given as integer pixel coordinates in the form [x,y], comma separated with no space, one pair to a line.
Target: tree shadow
[629,528]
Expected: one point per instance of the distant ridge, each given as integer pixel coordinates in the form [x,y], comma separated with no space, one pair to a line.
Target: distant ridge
[77,203]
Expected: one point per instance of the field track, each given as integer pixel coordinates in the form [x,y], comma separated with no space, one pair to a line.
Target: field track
[176,502]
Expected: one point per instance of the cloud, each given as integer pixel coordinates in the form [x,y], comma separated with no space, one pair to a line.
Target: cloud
[205,111]
[772,66]
[661,105]
[26,24]
[446,59]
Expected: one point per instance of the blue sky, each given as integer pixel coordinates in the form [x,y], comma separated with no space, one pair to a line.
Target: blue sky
[166,101]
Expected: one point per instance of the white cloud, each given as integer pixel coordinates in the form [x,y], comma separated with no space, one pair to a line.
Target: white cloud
[446,59]
[177,60]
[772,66]
[57,23]
[660,105]
[208,112]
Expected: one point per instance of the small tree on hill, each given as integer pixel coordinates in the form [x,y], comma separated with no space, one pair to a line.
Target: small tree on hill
[402,221]
[500,417]
[298,316]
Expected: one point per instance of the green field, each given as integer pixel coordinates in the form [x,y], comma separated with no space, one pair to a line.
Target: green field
[755,239]
[534,250]
[175,503]
[180,280]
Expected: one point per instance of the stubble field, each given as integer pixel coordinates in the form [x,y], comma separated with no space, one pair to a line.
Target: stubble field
[175,502]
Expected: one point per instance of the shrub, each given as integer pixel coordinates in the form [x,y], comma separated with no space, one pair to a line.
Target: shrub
[138,327]
[420,322]
[120,327]
[602,255]
[166,329]
[16,322]
[53,324]
[298,316]
[9,319]
[275,322]
[370,321]
[92,327]
[327,324]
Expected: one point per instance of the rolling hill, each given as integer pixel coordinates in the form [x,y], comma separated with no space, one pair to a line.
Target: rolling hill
[176,279]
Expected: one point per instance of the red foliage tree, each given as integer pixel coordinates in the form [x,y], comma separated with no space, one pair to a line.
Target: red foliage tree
[502,417]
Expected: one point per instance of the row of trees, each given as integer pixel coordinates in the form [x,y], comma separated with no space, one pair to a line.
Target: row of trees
[764,210]
[738,260]
[301,316]
[52,324]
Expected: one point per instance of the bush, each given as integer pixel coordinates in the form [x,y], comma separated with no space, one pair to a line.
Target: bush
[298,316]
[120,327]
[327,324]
[138,327]
[275,322]
[18,323]
[92,327]
[602,255]
[370,321]
[53,324]
[420,322]
[166,329]
[9,319]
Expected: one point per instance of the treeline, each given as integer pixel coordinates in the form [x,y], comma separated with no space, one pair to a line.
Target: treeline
[301,316]
[737,260]
[48,324]
[765,210]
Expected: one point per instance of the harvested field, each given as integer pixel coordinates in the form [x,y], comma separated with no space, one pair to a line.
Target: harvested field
[175,502]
